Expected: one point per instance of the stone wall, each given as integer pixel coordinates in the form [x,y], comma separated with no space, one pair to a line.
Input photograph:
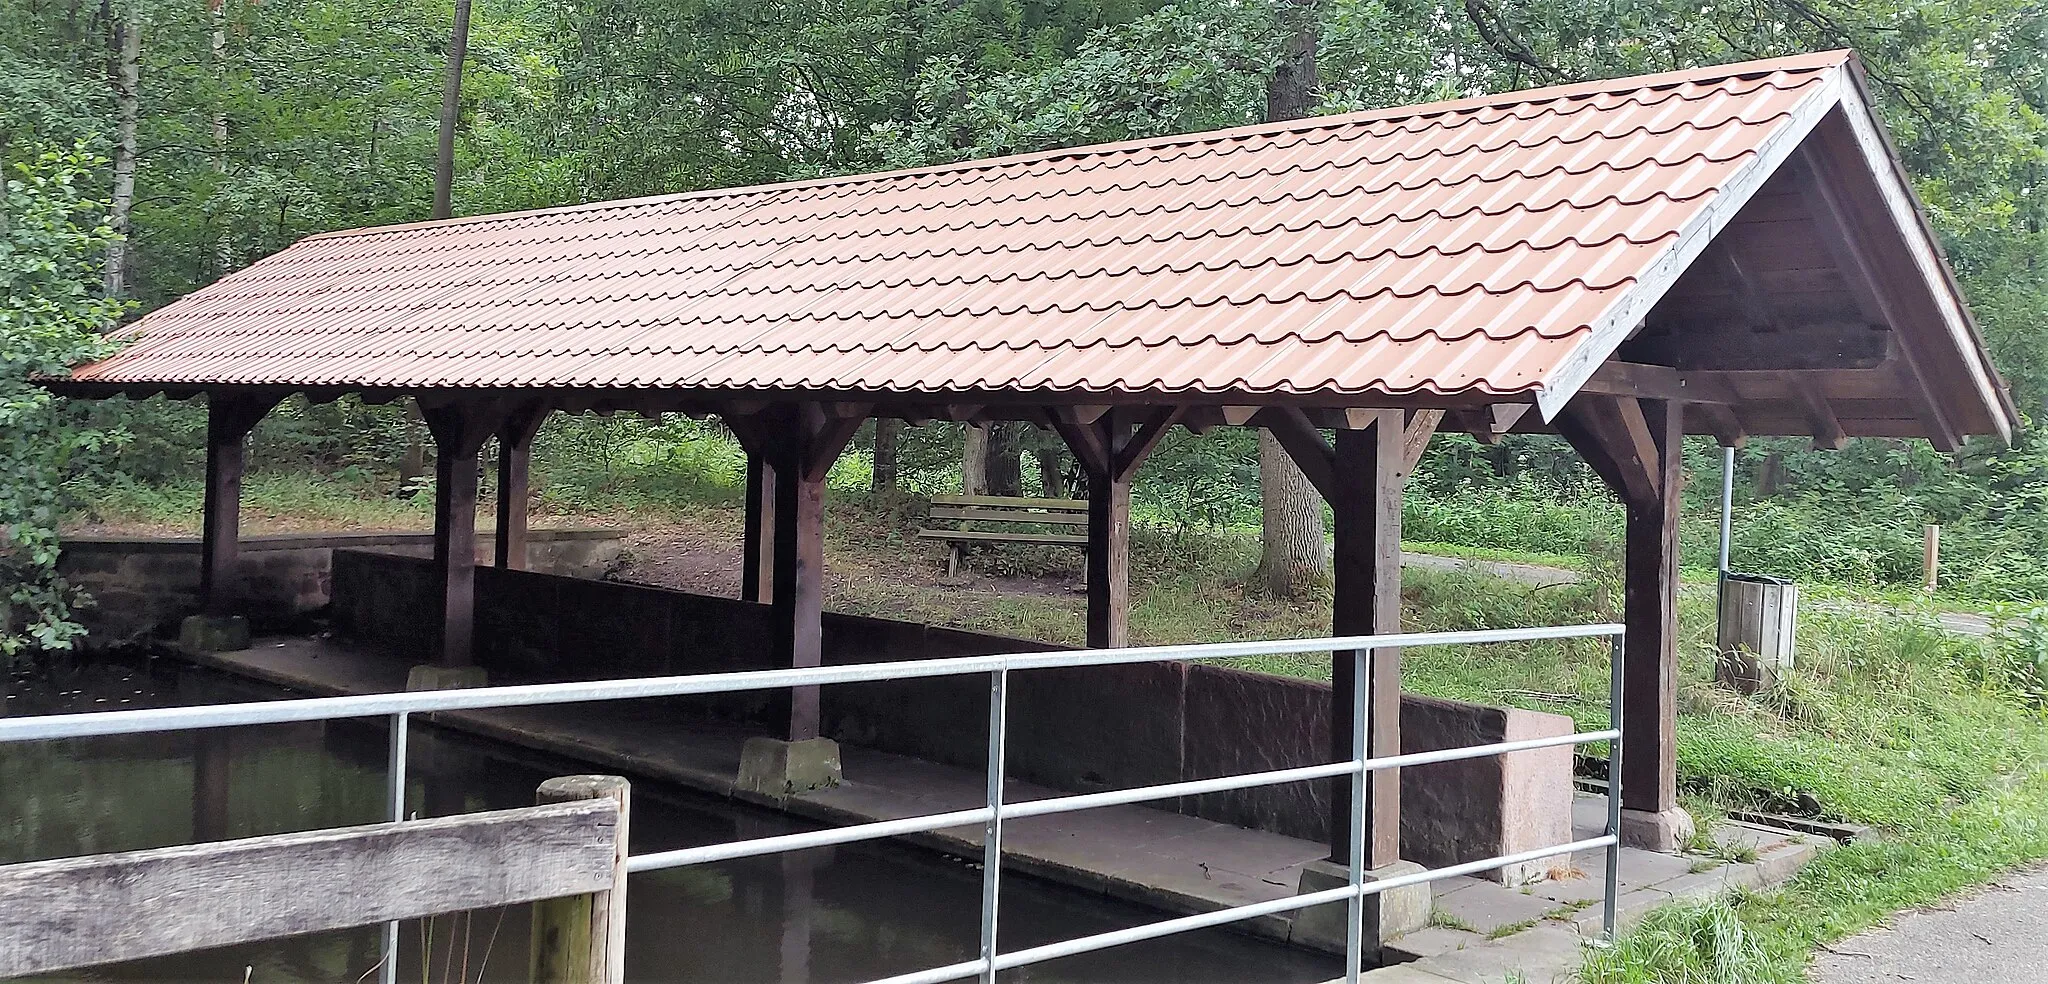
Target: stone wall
[1081,730]
[140,584]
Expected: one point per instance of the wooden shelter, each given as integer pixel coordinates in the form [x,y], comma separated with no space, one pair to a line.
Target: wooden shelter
[1724,251]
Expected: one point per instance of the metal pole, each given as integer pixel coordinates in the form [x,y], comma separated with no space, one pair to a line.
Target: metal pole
[1361,727]
[394,776]
[1727,503]
[1615,653]
[992,835]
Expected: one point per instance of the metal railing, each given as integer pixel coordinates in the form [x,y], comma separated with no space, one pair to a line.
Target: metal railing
[991,959]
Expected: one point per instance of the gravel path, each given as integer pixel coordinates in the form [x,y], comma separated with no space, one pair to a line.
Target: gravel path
[1999,935]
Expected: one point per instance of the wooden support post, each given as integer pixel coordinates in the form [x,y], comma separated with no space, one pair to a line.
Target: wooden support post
[1110,444]
[229,418]
[1637,450]
[799,443]
[581,939]
[458,435]
[1109,546]
[515,456]
[757,552]
[1650,677]
[1367,468]
[1361,476]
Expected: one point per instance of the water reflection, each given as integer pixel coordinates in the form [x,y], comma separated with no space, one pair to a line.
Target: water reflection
[829,915]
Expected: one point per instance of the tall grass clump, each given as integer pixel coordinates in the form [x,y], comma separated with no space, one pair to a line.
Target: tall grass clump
[1696,943]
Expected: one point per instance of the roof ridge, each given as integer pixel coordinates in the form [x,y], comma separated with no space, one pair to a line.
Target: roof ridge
[1808,62]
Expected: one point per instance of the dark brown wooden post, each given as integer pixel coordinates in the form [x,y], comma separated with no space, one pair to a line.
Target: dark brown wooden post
[1109,543]
[1636,446]
[1649,685]
[229,419]
[458,435]
[1110,451]
[1365,501]
[757,551]
[798,444]
[515,458]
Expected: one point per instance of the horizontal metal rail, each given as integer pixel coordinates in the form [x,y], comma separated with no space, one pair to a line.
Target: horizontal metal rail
[399,706]
[881,829]
[100,723]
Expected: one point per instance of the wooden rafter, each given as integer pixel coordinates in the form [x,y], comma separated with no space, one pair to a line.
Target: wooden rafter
[1139,447]
[1416,431]
[1304,443]
[1833,219]
[1827,430]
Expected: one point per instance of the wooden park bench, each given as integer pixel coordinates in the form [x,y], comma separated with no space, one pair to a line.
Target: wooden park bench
[1013,515]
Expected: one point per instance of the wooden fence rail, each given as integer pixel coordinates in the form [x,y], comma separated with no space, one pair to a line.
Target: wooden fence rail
[74,912]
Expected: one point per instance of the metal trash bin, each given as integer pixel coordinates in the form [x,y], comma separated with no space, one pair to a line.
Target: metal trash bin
[1755,634]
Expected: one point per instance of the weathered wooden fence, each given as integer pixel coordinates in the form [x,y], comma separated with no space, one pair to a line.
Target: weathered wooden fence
[568,853]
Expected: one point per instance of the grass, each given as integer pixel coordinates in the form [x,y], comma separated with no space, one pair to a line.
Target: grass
[1768,939]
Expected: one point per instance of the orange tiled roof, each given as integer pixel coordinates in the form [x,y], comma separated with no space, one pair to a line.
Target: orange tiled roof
[1495,244]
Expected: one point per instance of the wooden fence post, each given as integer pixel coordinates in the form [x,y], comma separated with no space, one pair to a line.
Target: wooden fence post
[581,939]
[1930,557]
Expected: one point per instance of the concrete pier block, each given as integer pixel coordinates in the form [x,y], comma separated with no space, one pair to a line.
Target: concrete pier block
[1387,914]
[777,768]
[1663,832]
[213,633]
[1470,810]
[430,677]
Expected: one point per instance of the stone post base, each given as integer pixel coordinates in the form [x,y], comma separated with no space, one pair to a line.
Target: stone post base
[213,633]
[428,677]
[1663,833]
[776,768]
[1387,914]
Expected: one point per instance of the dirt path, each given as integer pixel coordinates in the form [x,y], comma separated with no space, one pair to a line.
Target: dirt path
[1998,935]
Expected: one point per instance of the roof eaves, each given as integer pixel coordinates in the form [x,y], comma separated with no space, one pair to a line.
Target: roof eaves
[1634,303]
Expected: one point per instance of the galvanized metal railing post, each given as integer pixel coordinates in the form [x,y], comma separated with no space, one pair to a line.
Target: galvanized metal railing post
[1615,652]
[992,833]
[1361,745]
[394,778]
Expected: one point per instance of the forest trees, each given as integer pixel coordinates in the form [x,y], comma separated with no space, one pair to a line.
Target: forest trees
[53,241]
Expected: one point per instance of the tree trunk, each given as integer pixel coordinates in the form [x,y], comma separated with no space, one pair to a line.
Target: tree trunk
[1770,475]
[1005,460]
[451,112]
[1292,558]
[887,434]
[1051,483]
[223,248]
[125,78]
[974,462]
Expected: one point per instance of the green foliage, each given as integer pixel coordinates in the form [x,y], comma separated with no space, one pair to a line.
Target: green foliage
[2020,640]
[1845,891]
[51,238]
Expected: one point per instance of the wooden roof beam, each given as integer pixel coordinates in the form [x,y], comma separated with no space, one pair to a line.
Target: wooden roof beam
[1834,220]
[1827,429]
[1726,427]
[1305,443]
